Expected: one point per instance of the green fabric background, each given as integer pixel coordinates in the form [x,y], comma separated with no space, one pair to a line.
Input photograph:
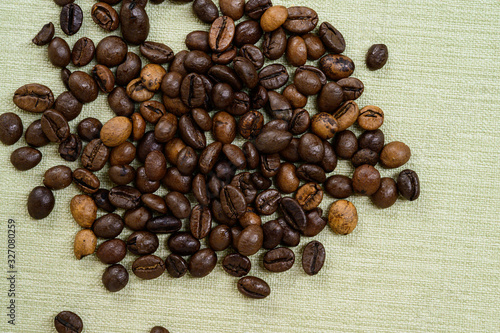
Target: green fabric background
[430,265]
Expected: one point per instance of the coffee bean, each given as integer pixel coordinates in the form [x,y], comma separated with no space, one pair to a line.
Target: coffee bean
[330,97]
[272,141]
[85,243]
[63,2]
[251,155]
[324,125]
[95,155]
[148,267]
[311,173]
[352,87]
[11,128]
[205,10]
[178,204]
[59,52]
[152,111]
[293,213]
[225,57]
[55,126]
[408,184]
[274,44]
[291,237]
[104,78]
[202,263]
[221,33]
[101,198]
[71,19]
[336,66]
[309,80]
[108,226]
[193,92]
[83,52]
[143,183]
[187,161]
[373,140]
[236,264]
[249,241]
[129,69]
[84,210]
[45,35]
[314,45]
[347,114]
[253,287]
[120,103]
[158,329]
[122,154]
[83,87]
[247,32]
[125,197]
[250,218]
[286,179]
[273,234]
[370,117]
[220,238]
[137,218]
[197,40]
[68,105]
[345,144]
[309,196]
[105,16]
[154,202]
[198,62]
[329,162]
[115,278]
[174,180]
[279,260]
[315,223]
[111,51]
[253,54]
[255,8]
[233,202]
[200,221]
[387,193]
[267,202]
[300,121]
[377,56]
[395,154]
[171,84]
[273,76]
[157,53]
[311,148]
[155,165]
[313,257]
[273,18]
[250,124]
[121,174]
[86,181]
[65,74]
[134,23]
[331,38]
[279,107]
[67,321]
[342,217]
[296,99]
[364,156]
[112,251]
[246,71]
[269,164]
[176,266]
[58,177]
[40,202]
[177,64]
[116,131]
[34,97]
[142,242]
[224,127]
[366,180]
[70,148]
[300,20]
[232,8]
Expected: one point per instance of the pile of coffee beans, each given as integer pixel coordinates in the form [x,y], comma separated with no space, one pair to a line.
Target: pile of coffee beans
[223,86]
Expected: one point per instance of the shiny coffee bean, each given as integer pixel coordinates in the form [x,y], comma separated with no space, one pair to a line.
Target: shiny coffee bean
[34,97]
[315,223]
[273,76]
[377,56]
[293,213]
[336,66]
[279,260]
[176,266]
[395,154]
[352,87]
[255,8]
[330,97]
[409,184]
[40,202]
[71,19]
[221,33]
[273,234]
[25,158]
[267,202]
[111,251]
[58,177]
[108,226]
[157,53]
[345,144]
[105,16]
[387,193]
[83,52]
[370,117]
[111,51]
[253,287]
[274,44]
[142,242]
[71,148]
[148,267]
[95,155]
[249,241]
[300,20]
[163,224]
[200,221]
[59,52]
[125,197]
[314,45]
[205,10]
[178,204]
[134,22]
[291,237]
[83,87]
[86,181]
[366,180]
[45,35]
[236,264]
[269,164]
[309,196]
[67,321]
[311,173]
[331,38]
[251,154]
[313,257]
[373,140]
[11,128]
[68,105]
[364,156]
[104,78]
[129,69]
[279,107]
[202,263]
[219,238]
[101,198]
[55,126]
[247,32]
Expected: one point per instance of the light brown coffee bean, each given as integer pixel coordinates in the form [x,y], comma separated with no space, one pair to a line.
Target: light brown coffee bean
[342,217]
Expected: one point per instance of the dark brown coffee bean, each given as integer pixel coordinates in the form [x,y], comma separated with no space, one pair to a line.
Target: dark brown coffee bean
[273,76]
[111,51]
[313,257]
[311,148]
[183,244]
[291,152]
[104,78]
[164,224]
[111,251]
[366,180]
[291,237]
[120,103]
[286,179]
[121,174]
[108,226]
[171,84]
[176,266]
[246,71]
[235,155]
[373,140]
[247,32]
[233,202]
[40,202]
[377,56]
[142,242]
[143,183]
[387,193]
[134,22]
[309,196]
[95,155]
[371,117]
[83,87]
[336,66]
[279,107]
[272,141]
[300,121]
[68,322]
[253,54]
[273,233]
[232,8]
[296,51]
[205,10]
[105,16]
[331,97]
[71,148]
[279,260]
[197,40]
[236,264]
[224,74]
[408,184]
[329,162]
[11,128]
[293,213]
[55,126]
[220,238]
[45,35]
[249,241]
[58,177]
[364,156]
[86,181]
[125,197]
[251,154]
[148,267]
[25,158]
[193,92]
[129,69]
[222,95]
[122,154]
[224,58]
[147,144]
[269,164]
[83,52]
[300,20]
[345,144]
[101,198]
[259,97]
[178,204]
[209,157]
[267,202]
[352,87]
[314,45]
[138,126]
[200,221]
[155,165]
[115,278]
[221,33]
[315,223]
[224,127]
[65,74]
[68,105]
[253,287]
[157,53]
[154,202]
[250,124]
[332,38]
[309,80]
[71,19]
[255,8]
[311,173]
[274,44]
[59,52]
[34,97]
[137,218]
[243,182]
[395,154]
[202,263]
[187,161]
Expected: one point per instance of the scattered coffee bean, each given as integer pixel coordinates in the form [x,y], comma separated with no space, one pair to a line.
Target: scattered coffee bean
[45,35]
[342,217]
[71,19]
[409,185]
[253,287]
[40,202]
[395,154]
[115,278]
[313,257]
[67,321]
[377,56]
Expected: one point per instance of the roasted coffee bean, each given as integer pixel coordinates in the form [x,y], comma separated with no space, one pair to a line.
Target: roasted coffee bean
[253,54]
[274,44]
[148,267]
[45,35]
[273,76]
[205,10]
[253,287]
[296,99]
[235,155]
[408,184]
[70,148]
[111,251]
[222,95]
[116,131]
[331,38]
[273,18]
[142,242]
[292,211]
[152,111]
[224,127]
[138,126]
[101,198]
[120,103]
[221,33]
[366,180]
[85,243]
[286,179]
[157,53]
[342,217]
[25,158]
[137,218]
[246,71]
[291,152]
[279,107]
[279,260]
[267,202]
[247,32]
[187,161]
[164,224]
[345,144]
[176,266]
[178,204]
[155,165]
[336,67]
[68,105]
[291,237]
[121,174]
[11,128]
[309,80]
[58,177]
[147,144]
[158,329]
[313,257]
[84,210]
[395,154]
[269,164]
[309,196]
[129,69]
[364,156]
[122,154]
[190,134]
[225,171]
[232,8]
[224,58]
[300,121]
[71,19]
[63,2]
[152,76]
[250,218]
[193,92]
[259,97]
[154,202]
[177,64]
[251,154]
[249,241]
[183,244]
[209,157]
[202,263]
[59,52]
[134,22]
[221,73]
[329,162]
[104,78]
[311,148]
[214,185]
[296,51]
[83,52]
[65,74]
[40,202]
[83,87]
[143,183]
[219,216]
[250,124]
[311,173]
[115,278]
[255,8]
[138,92]
[273,233]
[111,51]
[95,155]
[34,97]
[315,223]
[330,97]
[352,87]
[166,127]
[236,264]
[300,20]
[125,197]
[171,84]
[377,56]
[387,193]
[314,45]
[105,16]
[233,202]
[347,114]
[276,125]
[86,181]
[272,141]
[200,221]
[197,40]
[108,226]
[67,321]
[219,238]
[373,140]
[55,126]
[370,117]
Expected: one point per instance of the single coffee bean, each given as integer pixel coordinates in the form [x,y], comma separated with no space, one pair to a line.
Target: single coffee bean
[174,180]
[85,243]
[101,198]
[387,193]
[273,18]
[112,251]
[108,226]
[220,238]
[236,264]
[309,80]
[293,213]
[273,234]
[246,71]
[187,161]
[250,124]
[177,64]
[273,76]
[279,260]
[300,121]
[364,156]
[11,128]
[255,8]
[59,52]
[377,56]
[67,321]
[183,244]
[157,53]
[166,127]
[171,84]
[111,51]
[408,184]
[138,126]
[129,69]
[200,221]
[25,158]
[178,204]
[371,117]
[311,173]
[83,52]
[134,23]
[373,140]
[291,237]
[105,16]
[329,162]
[34,97]
[71,19]
[233,201]
[274,44]
[176,266]
[152,111]
[249,241]
[70,148]
[86,181]
[225,57]
[330,97]
[296,52]
[125,197]
[314,45]
[147,144]
[253,287]
[311,148]
[300,20]
[116,131]
[352,87]
[250,218]
[336,66]
[137,218]
[345,144]
[296,99]
[309,196]
[224,127]
[225,74]
[197,40]
[366,180]
[142,242]
[45,35]
[115,278]
[272,141]
[193,93]
[122,154]
[143,183]
[58,177]
[137,91]
[84,210]
[347,114]
[253,54]
[155,165]
[89,129]
[209,156]
[286,178]
[232,8]
[121,174]
[251,155]
[154,202]
[221,33]
[313,257]
[331,38]
[68,105]
[279,107]
[315,223]
[270,164]
[395,154]
[40,202]
[202,263]
[324,125]
[190,133]
[267,202]
[342,217]
[205,10]
[55,126]
[148,267]
[104,78]
[235,155]
[247,32]
[83,87]
[95,155]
